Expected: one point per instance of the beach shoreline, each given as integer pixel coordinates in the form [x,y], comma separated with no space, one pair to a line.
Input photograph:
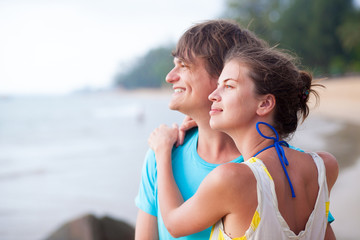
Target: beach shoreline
[340,101]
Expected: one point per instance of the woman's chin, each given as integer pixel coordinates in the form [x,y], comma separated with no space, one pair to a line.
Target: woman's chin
[215,126]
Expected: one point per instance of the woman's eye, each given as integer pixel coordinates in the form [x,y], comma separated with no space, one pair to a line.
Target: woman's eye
[228,86]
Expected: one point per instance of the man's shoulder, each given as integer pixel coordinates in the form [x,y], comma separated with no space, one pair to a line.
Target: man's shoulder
[190,140]
[191,135]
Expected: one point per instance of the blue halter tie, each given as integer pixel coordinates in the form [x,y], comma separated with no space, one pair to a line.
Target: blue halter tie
[279,149]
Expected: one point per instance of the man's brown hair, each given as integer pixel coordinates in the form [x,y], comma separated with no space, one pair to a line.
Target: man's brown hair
[211,40]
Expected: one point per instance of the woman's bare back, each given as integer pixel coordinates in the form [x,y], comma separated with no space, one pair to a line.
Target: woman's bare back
[296,211]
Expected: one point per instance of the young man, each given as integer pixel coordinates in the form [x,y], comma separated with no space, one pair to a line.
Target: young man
[198,61]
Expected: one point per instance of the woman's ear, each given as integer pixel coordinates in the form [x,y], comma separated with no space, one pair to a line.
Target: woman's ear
[266,104]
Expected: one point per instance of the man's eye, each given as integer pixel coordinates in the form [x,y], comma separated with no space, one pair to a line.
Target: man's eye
[182,64]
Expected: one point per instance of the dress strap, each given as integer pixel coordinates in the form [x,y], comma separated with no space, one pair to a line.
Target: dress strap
[279,149]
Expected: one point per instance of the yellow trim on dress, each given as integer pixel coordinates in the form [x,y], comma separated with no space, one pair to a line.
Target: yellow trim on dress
[212,231]
[252,160]
[267,172]
[255,221]
[221,236]
[327,206]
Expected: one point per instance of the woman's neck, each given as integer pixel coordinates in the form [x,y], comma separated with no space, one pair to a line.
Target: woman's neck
[249,141]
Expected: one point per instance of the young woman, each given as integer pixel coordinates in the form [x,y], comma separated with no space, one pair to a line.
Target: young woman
[279,193]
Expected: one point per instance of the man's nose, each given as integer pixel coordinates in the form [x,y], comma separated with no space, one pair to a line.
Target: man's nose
[172,76]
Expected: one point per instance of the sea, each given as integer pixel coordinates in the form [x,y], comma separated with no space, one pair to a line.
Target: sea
[62,157]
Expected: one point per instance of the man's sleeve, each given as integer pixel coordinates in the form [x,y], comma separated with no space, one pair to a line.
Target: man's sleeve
[330,218]
[146,197]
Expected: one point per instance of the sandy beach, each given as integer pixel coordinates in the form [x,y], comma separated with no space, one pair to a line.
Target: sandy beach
[340,102]
[340,99]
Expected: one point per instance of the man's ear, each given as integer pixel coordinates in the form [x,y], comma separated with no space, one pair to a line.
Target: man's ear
[266,104]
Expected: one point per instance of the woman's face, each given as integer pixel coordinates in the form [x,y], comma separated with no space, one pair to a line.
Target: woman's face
[234,101]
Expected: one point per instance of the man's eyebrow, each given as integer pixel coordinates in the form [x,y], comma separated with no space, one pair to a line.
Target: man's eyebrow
[178,60]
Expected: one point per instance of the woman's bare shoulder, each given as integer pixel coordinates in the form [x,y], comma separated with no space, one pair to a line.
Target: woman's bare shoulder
[234,176]
[332,167]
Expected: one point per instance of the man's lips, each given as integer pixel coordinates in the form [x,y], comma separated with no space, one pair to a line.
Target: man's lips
[178,90]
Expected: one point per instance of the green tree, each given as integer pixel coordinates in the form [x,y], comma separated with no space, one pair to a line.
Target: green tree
[316,30]
[149,71]
[309,28]
[260,16]
[349,35]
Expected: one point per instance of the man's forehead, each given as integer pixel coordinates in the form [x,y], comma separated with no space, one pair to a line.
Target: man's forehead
[194,60]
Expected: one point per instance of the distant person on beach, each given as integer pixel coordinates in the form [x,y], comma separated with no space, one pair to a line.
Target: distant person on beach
[199,60]
[279,192]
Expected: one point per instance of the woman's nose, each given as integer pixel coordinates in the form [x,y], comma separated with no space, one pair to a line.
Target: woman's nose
[214,96]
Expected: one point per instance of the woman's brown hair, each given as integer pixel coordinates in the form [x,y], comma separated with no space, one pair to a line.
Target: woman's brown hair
[275,72]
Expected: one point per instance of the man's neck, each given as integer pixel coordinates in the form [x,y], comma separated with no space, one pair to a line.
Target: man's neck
[214,146]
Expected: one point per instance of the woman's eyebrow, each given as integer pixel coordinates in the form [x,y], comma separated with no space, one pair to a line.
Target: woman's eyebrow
[230,79]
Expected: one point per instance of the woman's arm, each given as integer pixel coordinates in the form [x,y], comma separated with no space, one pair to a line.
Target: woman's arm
[199,212]
[332,172]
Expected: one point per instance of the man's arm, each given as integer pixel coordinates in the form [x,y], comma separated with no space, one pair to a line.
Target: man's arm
[332,172]
[146,222]
[146,226]
[329,234]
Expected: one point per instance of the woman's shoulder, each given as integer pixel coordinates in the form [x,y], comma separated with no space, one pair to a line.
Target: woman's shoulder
[328,159]
[331,166]
[234,176]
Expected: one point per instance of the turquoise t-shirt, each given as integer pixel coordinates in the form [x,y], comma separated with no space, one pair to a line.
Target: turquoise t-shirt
[189,171]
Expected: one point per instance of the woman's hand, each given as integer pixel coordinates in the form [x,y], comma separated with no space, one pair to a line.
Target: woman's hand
[162,139]
[187,124]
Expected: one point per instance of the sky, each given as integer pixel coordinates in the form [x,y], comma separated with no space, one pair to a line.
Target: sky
[60,46]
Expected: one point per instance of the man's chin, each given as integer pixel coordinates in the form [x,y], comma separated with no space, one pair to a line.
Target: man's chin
[173,107]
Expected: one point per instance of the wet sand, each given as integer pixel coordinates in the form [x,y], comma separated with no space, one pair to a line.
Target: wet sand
[340,102]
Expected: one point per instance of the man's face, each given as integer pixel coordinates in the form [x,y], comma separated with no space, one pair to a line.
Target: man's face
[192,85]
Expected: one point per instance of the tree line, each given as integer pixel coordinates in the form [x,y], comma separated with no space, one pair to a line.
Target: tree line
[325,34]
